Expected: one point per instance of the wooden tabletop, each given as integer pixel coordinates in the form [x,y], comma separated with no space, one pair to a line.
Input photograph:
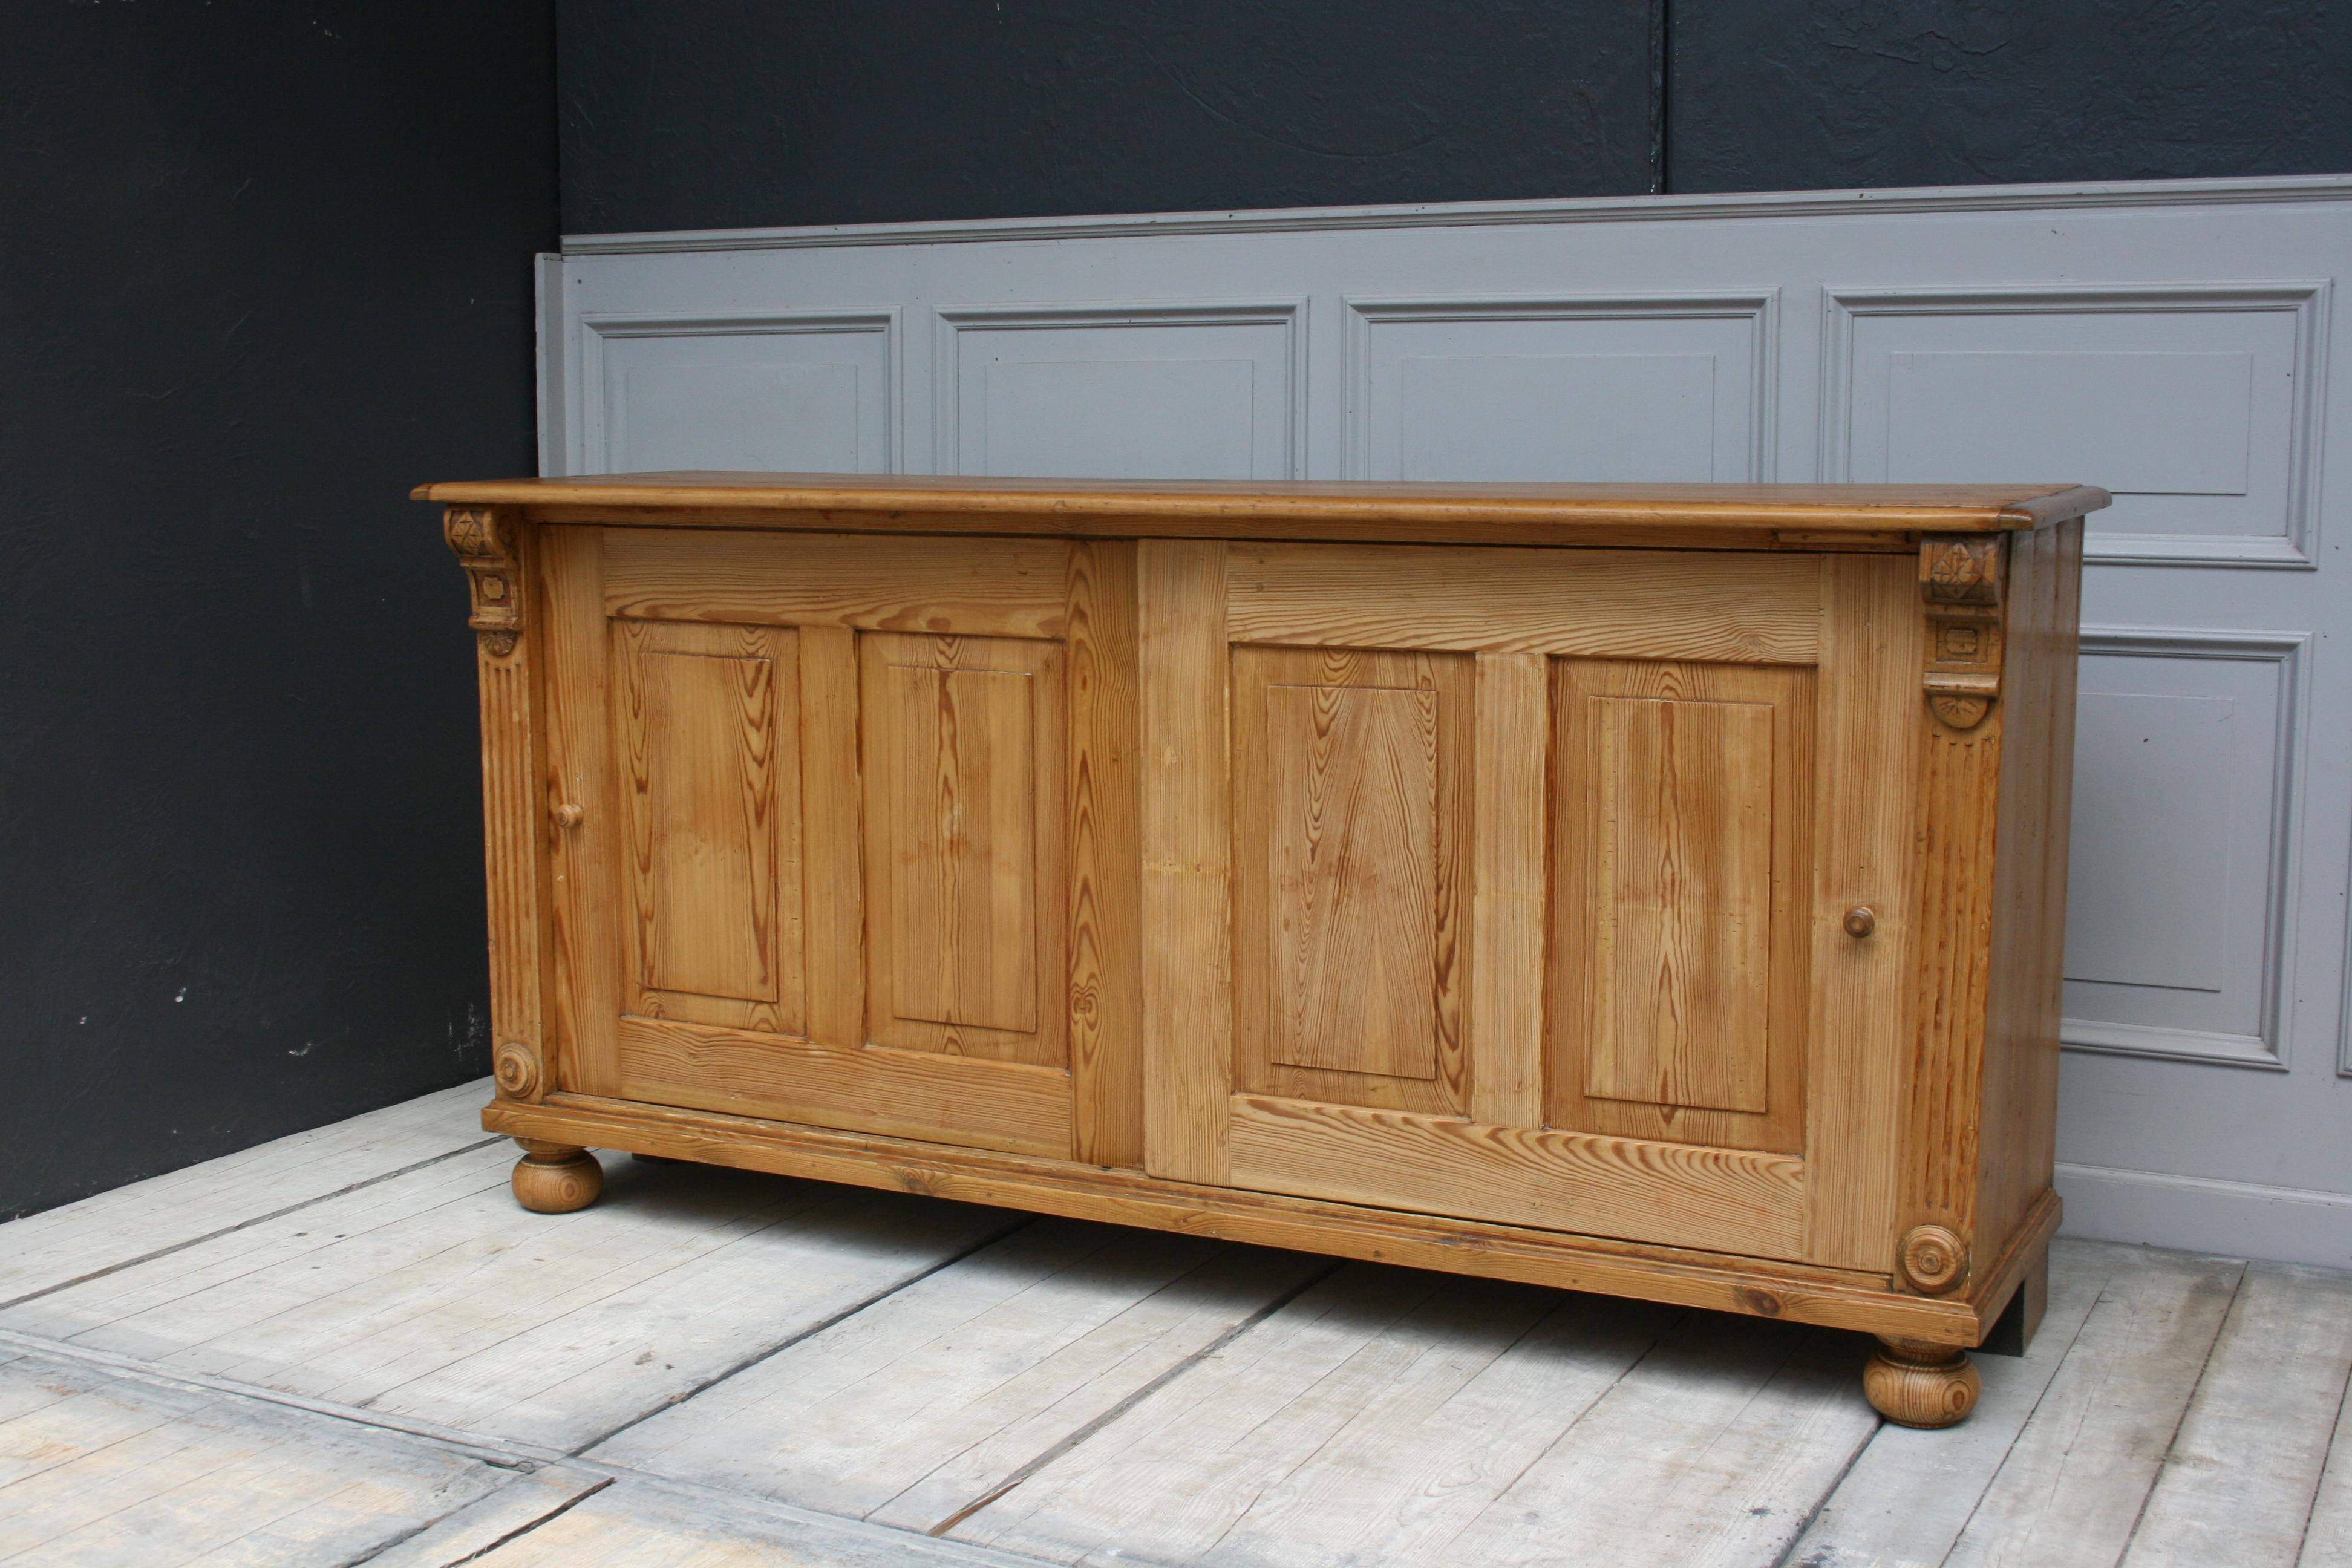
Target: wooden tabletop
[1232,508]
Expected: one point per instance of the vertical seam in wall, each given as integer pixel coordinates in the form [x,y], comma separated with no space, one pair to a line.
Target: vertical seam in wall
[1661,73]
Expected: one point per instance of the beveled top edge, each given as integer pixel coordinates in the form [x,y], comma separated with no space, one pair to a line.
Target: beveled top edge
[1959,508]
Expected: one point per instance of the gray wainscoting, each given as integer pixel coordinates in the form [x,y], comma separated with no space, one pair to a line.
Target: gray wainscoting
[2169,340]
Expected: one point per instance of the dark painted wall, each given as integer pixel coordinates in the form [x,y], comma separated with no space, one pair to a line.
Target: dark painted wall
[714,113]
[1786,96]
[709,113]
[262,268]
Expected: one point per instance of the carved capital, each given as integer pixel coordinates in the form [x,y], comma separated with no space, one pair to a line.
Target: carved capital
[1960,579]
[483,540]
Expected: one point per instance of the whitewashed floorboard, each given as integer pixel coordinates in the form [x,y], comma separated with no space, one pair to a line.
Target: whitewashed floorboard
[44,1250]
[1393,1417]
[100,1471]
[433,1296]
[1906,1499]
[2239,1484]
[634,1524]
[516,1507]
[925,1402]
[2327,1539]
[2072,1488]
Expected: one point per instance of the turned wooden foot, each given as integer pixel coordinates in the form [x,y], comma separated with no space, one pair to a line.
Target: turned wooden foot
[556,1178]
[1915,1383]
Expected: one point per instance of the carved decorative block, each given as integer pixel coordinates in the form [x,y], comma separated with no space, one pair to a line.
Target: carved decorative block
[482,538]
[1960,579]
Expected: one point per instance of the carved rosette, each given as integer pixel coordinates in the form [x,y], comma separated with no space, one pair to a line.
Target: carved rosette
[1960,579]
[516,1069]
[482,538]
[1933,1259]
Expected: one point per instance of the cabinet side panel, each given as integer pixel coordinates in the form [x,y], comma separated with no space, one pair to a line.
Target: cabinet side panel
[1187,861]
[833,836]
[585,940]
[2029,916]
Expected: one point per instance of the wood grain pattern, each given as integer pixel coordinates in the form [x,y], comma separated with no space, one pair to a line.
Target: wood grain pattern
[1353,823]
[1679,826]
[832,841]
[514,819]
[1683,824]
[1734,1200]
[947,1099]
[964,769]
[1105,915]
[708,725]
[1010,588]
[1350,796]
[584,861]
[1123,505]
[1629,603]
[1188,982]
[1510,900]
[1861,1004]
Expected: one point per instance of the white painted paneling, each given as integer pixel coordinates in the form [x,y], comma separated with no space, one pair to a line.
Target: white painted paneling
[2168,341]
[2196,405]
[805,391]
[2184,752]
[1665,390]
[1178,392]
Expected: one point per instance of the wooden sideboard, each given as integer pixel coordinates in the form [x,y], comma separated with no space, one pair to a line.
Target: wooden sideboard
[1653,890]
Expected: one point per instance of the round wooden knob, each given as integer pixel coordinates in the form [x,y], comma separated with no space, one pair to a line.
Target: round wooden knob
[1933,1259]
[1860,921]
[569,814]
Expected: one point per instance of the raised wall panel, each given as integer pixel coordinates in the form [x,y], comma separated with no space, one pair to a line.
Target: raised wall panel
[1681,838]
[1629,388]
[709,722]
[2196,405]
[1099,391]
[2183,757]
[1352,802]
[802,391]
[962,777]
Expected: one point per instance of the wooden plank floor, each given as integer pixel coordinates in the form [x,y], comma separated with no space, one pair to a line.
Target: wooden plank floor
[351,1347]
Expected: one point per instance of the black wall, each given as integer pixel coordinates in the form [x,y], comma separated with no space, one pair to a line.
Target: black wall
[715,114]
[262,268]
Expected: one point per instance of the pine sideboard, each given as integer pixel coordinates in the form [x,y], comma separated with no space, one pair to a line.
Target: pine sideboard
[1651,890]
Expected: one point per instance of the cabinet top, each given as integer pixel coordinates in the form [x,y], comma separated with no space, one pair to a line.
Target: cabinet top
[1277,507]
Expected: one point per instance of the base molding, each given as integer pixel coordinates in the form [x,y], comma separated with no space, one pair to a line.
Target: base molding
[2203,1213]
[1834,1298]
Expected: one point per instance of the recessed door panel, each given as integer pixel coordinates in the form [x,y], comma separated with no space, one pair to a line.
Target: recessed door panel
[962,783]
[1681,800]
[1350,796]
[708,717]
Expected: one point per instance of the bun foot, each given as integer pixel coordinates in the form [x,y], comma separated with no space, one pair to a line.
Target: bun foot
[556,1178]
[1915,1383]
